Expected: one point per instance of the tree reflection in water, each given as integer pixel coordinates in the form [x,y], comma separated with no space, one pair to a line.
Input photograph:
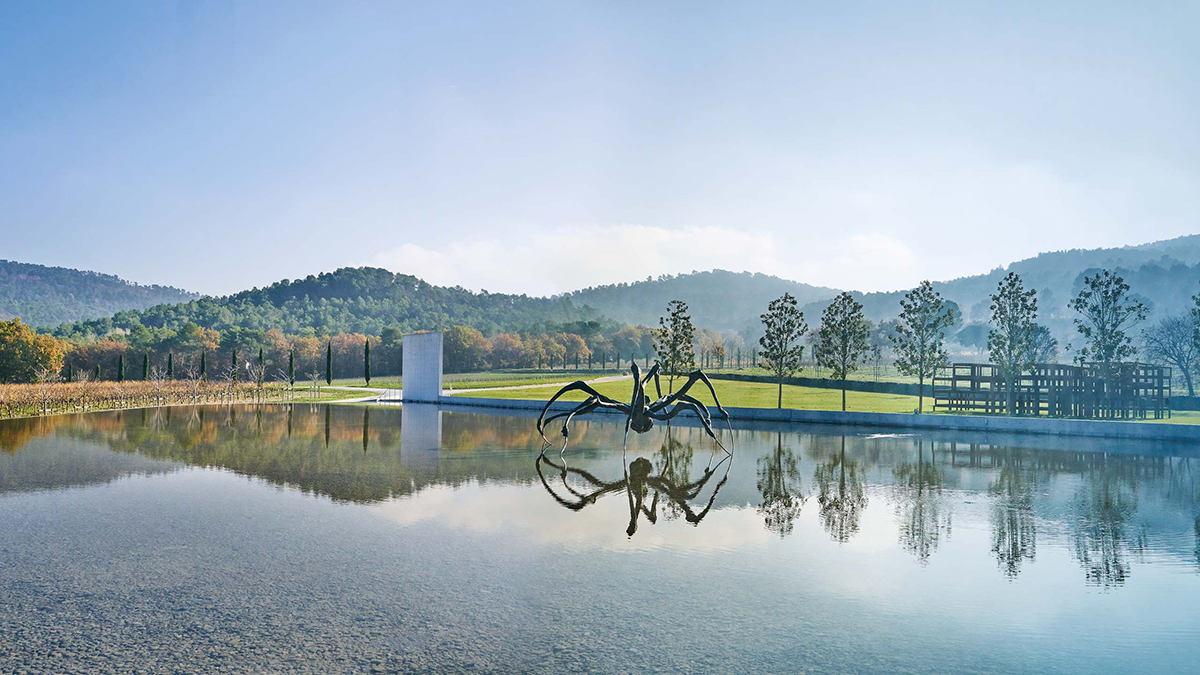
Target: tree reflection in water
[640,482]
[1105,503]
[923,518]
[1014,528]
[840,495]
[779,484]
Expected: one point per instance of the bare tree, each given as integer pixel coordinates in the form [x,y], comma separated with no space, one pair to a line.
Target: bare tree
[1171,341]
[45,379]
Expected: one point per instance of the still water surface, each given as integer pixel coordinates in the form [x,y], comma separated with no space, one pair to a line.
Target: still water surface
[348,539]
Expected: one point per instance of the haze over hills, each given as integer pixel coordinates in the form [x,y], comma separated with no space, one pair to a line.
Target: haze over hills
[365,300]
[47,296]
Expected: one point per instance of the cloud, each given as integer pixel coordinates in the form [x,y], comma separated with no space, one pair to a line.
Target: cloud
[568,259]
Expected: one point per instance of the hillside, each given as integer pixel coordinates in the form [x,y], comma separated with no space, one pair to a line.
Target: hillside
[365,300]
[1163,274]
[47,296]
[348,300]
[719,300]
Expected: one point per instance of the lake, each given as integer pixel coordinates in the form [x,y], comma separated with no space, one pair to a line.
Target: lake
[346,539]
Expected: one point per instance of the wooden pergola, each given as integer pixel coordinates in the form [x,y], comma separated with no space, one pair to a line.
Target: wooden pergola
[1137,391]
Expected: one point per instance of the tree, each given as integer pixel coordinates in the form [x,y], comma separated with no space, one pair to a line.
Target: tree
[203,366]
[291,374]
[170,365]
[779,485]
[367,361]
[466,349]
[120,368]
[920,335]
[24,353]
[1106,313]
[1044,348]
[843,338]
[261,371]
[1010,340]
[973,335]
[783,328]
[1172,341]
[329,362]
[673,342]
[233,366]
[145,366]
[508,351]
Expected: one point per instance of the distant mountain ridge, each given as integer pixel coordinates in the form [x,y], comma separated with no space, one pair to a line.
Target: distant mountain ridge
[366,300]
[718,299]
[47,296]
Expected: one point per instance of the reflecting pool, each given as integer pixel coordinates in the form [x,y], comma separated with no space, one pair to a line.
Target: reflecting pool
[340,539]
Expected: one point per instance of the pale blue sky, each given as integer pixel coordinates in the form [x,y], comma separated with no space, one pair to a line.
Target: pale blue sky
[538,147]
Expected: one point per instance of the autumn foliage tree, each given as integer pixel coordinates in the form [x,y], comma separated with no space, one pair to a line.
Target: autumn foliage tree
[24,353]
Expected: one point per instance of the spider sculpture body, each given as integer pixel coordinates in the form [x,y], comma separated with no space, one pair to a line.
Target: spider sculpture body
[642,412]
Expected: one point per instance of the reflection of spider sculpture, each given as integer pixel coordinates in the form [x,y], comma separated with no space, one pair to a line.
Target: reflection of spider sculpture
[637,484]
[641,410]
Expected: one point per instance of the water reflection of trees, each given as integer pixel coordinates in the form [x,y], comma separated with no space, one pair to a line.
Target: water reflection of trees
[1105,503]
[840,495]
[923,517]
[1014,527]
[779,485]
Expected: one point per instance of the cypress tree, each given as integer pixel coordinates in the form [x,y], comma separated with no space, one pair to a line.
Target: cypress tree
[292,367]
[97,372]
[233,363]
[120,367]
[145,366]
[170,365]
[203,364]
[329,362]
[262,368]
[367,361]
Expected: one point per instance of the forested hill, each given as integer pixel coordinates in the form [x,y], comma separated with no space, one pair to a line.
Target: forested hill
[48,296]
[349,300]
[718,299]
[1164,274]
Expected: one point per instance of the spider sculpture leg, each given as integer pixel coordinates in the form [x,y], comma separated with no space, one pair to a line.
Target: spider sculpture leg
[582,409]
[653,373]
[696,376]
[578,385]
[695,407]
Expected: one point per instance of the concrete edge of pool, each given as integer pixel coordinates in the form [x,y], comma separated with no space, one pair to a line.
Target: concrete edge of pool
[1009,425]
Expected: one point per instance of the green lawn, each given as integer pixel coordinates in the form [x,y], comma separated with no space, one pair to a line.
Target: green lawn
[495,378]
[740,394]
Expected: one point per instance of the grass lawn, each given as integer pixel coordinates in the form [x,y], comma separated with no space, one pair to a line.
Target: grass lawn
[496,378]
[741,395]
[304,394]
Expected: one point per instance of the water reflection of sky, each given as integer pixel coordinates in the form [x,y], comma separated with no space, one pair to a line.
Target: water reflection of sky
[825,544]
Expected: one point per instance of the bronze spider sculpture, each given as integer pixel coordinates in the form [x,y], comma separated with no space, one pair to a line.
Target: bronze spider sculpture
[641,411]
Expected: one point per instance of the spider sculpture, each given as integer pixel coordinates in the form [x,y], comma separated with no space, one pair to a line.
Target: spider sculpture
[639,482]
[642,412]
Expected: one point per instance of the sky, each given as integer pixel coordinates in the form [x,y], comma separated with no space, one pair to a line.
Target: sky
[542,147]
